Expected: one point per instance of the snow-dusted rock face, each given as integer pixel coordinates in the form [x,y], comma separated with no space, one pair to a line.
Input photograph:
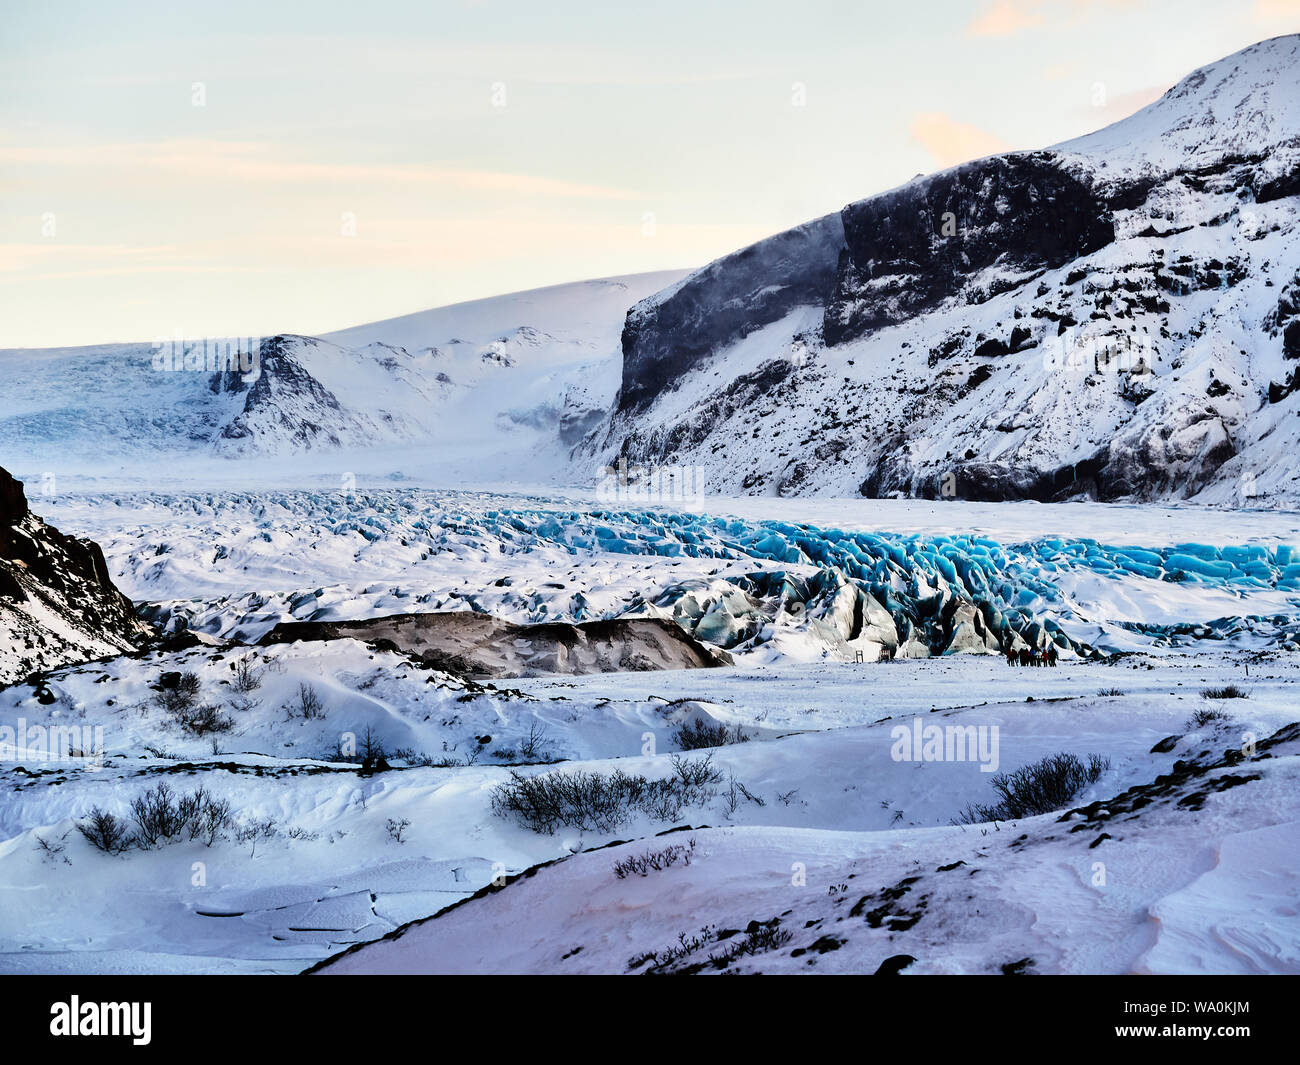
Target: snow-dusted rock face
[57,602]
[1113,317]
[932,240]
[674,330]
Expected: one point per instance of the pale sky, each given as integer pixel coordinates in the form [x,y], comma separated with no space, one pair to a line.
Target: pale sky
[246,168]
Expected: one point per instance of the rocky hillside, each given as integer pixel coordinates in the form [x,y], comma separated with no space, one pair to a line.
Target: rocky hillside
[1113,317]
[57,601]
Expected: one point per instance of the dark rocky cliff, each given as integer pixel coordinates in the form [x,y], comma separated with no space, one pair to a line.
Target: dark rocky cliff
[667,335]
[58,603]
[907,250]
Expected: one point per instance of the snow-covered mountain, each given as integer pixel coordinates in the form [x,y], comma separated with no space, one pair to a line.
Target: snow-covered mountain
[491,389]
[1118,316]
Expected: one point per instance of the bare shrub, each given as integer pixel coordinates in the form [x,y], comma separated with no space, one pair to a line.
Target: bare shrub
[758,940]
[413,757]
[737,791]
[397,827]
[1207,716]
[307,705]
[600,802]
[1038,788]
[372,747]
[157,816]
[255,830]
[643,864]
[176,697]
[248,678]
[180,701]
[1228,691]
[52,849]
[686,945]
[204,720]
[699,735]
[537,739]
[205,818]
[161,816]
[105,831]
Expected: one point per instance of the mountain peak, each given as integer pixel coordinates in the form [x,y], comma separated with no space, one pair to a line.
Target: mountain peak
[1247,103]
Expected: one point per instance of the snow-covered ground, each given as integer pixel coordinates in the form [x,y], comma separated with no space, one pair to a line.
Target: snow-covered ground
[811,809]
[818,760]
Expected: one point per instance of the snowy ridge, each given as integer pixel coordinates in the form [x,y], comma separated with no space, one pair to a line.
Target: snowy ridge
[492,389]
[1247,105]
[947,900]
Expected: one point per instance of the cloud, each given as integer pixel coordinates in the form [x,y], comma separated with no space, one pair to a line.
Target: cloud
[1124,104]
[1005,18]
[950,142]
[1269,10]
[255,162]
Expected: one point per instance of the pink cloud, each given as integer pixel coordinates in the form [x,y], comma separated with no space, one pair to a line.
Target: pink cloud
[950,142]
[1005,18]
[255,162]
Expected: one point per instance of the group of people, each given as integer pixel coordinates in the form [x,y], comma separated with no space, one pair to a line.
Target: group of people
[1033,656]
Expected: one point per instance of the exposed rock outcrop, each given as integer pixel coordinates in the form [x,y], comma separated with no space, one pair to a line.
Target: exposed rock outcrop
[907,250]
[475,644]
[668,334]
[58,604]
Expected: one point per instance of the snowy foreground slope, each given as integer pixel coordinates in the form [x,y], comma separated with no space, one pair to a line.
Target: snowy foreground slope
[1117,316]
[365,786]
[1175,888]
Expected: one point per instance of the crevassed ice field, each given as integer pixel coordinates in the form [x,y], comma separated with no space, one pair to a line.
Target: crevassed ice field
[821,827]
